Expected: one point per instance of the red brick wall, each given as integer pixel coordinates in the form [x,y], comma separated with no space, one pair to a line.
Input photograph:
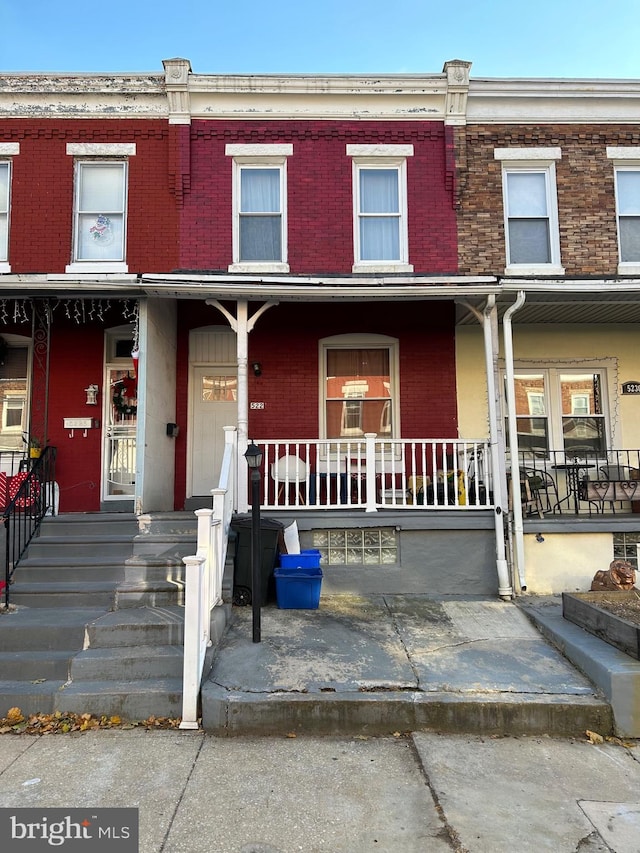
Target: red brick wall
[320,204]
[42,193]
[585,184]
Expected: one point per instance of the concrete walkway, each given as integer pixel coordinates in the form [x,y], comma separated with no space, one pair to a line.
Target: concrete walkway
[422,793]
[382,663]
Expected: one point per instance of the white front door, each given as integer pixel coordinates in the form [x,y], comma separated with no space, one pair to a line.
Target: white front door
[215,405]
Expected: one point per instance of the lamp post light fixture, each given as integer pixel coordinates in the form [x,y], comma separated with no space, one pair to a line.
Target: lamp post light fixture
[253,455]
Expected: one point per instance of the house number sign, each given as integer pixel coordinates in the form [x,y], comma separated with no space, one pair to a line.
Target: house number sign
[631,387]
[261,405]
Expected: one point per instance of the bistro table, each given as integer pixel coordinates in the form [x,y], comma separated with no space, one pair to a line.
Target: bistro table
[572,473]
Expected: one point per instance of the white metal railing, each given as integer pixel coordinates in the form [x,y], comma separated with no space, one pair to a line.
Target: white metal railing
[375,473]
[203,580]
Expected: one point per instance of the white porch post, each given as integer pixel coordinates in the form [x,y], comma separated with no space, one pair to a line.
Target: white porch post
[489,324]
[370,471]
[518,530]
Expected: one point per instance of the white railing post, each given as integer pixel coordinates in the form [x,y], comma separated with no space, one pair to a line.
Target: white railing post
[193,638]
[370,471]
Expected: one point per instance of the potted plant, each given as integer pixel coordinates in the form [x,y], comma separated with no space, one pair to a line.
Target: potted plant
[35,448]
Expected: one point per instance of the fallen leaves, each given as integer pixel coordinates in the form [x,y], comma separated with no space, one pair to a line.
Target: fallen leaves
[61,723]
[595,738]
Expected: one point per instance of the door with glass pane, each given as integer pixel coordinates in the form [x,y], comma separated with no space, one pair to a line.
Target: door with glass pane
[215,406]
[120,418]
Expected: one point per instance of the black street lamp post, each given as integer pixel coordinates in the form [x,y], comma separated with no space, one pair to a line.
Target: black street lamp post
[253,455]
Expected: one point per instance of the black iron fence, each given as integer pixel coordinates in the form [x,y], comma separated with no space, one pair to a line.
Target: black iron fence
[30,495]
[560,483]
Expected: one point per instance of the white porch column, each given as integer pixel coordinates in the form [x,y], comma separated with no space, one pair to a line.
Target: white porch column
[370,471]
[518,530]
[242,344]
[489,329]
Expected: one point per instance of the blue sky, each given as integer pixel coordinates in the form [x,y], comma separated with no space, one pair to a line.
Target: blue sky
[502,38]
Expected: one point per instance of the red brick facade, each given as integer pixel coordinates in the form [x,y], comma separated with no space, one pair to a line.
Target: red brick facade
[42,193]
[319,196]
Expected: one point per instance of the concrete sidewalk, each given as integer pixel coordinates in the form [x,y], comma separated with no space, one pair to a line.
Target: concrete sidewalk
[380,663]
[197,793]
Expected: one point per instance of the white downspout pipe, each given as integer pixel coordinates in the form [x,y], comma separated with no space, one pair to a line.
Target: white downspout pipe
[518,530]
[498,476]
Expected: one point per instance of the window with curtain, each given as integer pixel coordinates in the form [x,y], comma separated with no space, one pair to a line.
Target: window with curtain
[380,209]
[379,214]
[100,207]
[628,204]
[260,214]
[358,392]
[5,168]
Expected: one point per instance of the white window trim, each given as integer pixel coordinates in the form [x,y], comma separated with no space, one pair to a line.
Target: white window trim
[8,150]
[360,341]
[533,160]
[381,157]
[627,158]
[259,155]
[84,152]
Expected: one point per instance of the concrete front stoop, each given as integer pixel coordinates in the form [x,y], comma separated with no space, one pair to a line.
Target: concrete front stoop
[99,619]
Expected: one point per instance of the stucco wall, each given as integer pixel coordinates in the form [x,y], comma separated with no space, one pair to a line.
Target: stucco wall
[565,562]
[545,345]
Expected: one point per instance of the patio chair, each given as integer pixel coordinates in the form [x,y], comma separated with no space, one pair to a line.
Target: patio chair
[543,489]
[291,472]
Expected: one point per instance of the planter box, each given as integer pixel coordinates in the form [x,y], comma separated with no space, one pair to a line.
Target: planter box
[582,609]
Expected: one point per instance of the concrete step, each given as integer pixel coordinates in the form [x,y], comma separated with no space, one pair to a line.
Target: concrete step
[35,666]
[90,524]
[62,547]
[70,569]
[64,594]
[31,698]
[131,700]
[46,629]
[140,663]
[150,626]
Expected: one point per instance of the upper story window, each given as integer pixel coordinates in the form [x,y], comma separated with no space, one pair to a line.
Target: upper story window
[100,206]
[380,233]
[530,210]
[6,150]
[259,207]
[627,183]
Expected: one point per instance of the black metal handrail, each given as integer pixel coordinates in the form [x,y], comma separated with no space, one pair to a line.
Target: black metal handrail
[33,497]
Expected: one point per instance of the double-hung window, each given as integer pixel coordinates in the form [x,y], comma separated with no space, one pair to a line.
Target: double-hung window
[530,210]
[259,207]
[380,207]
[6,148]
[100,206]
[627,186]
[360,386]
[560,408]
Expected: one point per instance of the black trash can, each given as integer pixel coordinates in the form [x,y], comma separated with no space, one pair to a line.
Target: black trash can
[270,535]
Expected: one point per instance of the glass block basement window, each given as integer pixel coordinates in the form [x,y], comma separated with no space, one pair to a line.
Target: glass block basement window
[624,547]
[372,547]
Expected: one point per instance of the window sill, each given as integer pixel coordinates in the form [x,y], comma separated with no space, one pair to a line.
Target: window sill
[534,269]
[5,267]
[251,267]
[628,269]
[96,266]
[381,266]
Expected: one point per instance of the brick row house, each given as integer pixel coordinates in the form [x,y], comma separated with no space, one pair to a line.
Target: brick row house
[384,283]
